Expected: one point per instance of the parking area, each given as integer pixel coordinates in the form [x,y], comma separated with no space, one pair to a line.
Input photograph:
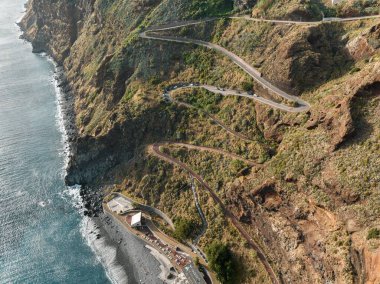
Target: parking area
[177,258]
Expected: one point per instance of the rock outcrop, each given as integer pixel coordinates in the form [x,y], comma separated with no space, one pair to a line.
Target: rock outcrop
[315,194]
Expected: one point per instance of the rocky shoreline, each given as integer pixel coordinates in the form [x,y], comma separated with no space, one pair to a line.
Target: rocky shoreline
[124,257]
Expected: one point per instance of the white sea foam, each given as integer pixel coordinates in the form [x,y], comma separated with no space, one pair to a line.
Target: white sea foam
[66,150]
[104,253]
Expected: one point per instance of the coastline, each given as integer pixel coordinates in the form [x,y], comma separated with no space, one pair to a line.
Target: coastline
[123,256]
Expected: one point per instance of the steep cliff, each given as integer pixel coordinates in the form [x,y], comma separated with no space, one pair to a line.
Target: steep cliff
[313,196]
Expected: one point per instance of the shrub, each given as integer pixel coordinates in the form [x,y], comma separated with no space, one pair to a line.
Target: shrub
[373,233]
[247,86]
[196,261]
[206,8]
[221,261]
[236,165]
[183,228]
[264,4]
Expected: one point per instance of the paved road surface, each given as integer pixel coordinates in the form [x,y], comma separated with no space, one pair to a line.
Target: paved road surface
[325,20]
[255,74]
[200,212]
[154,210]
[180,24]
[227,213]
[164,238]
[148,209]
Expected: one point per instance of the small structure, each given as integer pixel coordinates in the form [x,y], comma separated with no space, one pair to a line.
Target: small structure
[136,220]
[119,205]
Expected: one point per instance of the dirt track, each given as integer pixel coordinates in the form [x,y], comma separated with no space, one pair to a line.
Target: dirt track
[155,149]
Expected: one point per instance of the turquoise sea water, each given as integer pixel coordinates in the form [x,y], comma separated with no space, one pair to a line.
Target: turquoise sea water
[40,238]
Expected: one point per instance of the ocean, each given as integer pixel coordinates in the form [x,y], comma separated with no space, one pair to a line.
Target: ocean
[41,228]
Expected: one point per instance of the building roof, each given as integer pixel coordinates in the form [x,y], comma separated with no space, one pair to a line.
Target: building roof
[136,219]
[119,204]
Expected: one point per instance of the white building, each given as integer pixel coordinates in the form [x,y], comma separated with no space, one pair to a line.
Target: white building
[136,220]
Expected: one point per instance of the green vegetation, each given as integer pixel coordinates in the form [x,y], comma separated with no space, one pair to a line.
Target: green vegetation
[264,4]
[124,86]
[319,10]
[196,261]
[221,261]
[358,8]
[354,70]
[205,100]
[207,8]
[135,205]
[237,165]
[183,228]
[373,233]
[293,103]
[247,86]
[201,61]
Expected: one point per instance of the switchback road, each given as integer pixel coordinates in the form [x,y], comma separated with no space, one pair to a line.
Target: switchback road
[251,71]
[300,106]
[155,149]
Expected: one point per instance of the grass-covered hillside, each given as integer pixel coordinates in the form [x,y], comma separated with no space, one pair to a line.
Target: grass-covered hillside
[305,186]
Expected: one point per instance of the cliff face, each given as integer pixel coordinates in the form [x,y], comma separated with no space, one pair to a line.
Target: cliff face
[315,195]
[56,39]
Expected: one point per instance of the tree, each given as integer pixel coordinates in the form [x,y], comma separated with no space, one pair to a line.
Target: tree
[196,261]
[247,86]
[183,228]
[204,8]
[221,261]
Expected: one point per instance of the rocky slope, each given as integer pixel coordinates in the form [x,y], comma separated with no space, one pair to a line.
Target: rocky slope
[315,196]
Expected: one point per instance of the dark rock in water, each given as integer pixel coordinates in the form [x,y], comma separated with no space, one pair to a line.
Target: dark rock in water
[92,201]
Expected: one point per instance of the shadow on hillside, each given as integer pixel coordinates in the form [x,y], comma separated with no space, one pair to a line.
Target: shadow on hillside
[320,57]
[359,108]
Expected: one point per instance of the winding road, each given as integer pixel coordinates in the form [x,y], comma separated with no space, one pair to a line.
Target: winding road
[155,148]
[251,71]
[324,20]
[147,208]
[300,106]
[200,212]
